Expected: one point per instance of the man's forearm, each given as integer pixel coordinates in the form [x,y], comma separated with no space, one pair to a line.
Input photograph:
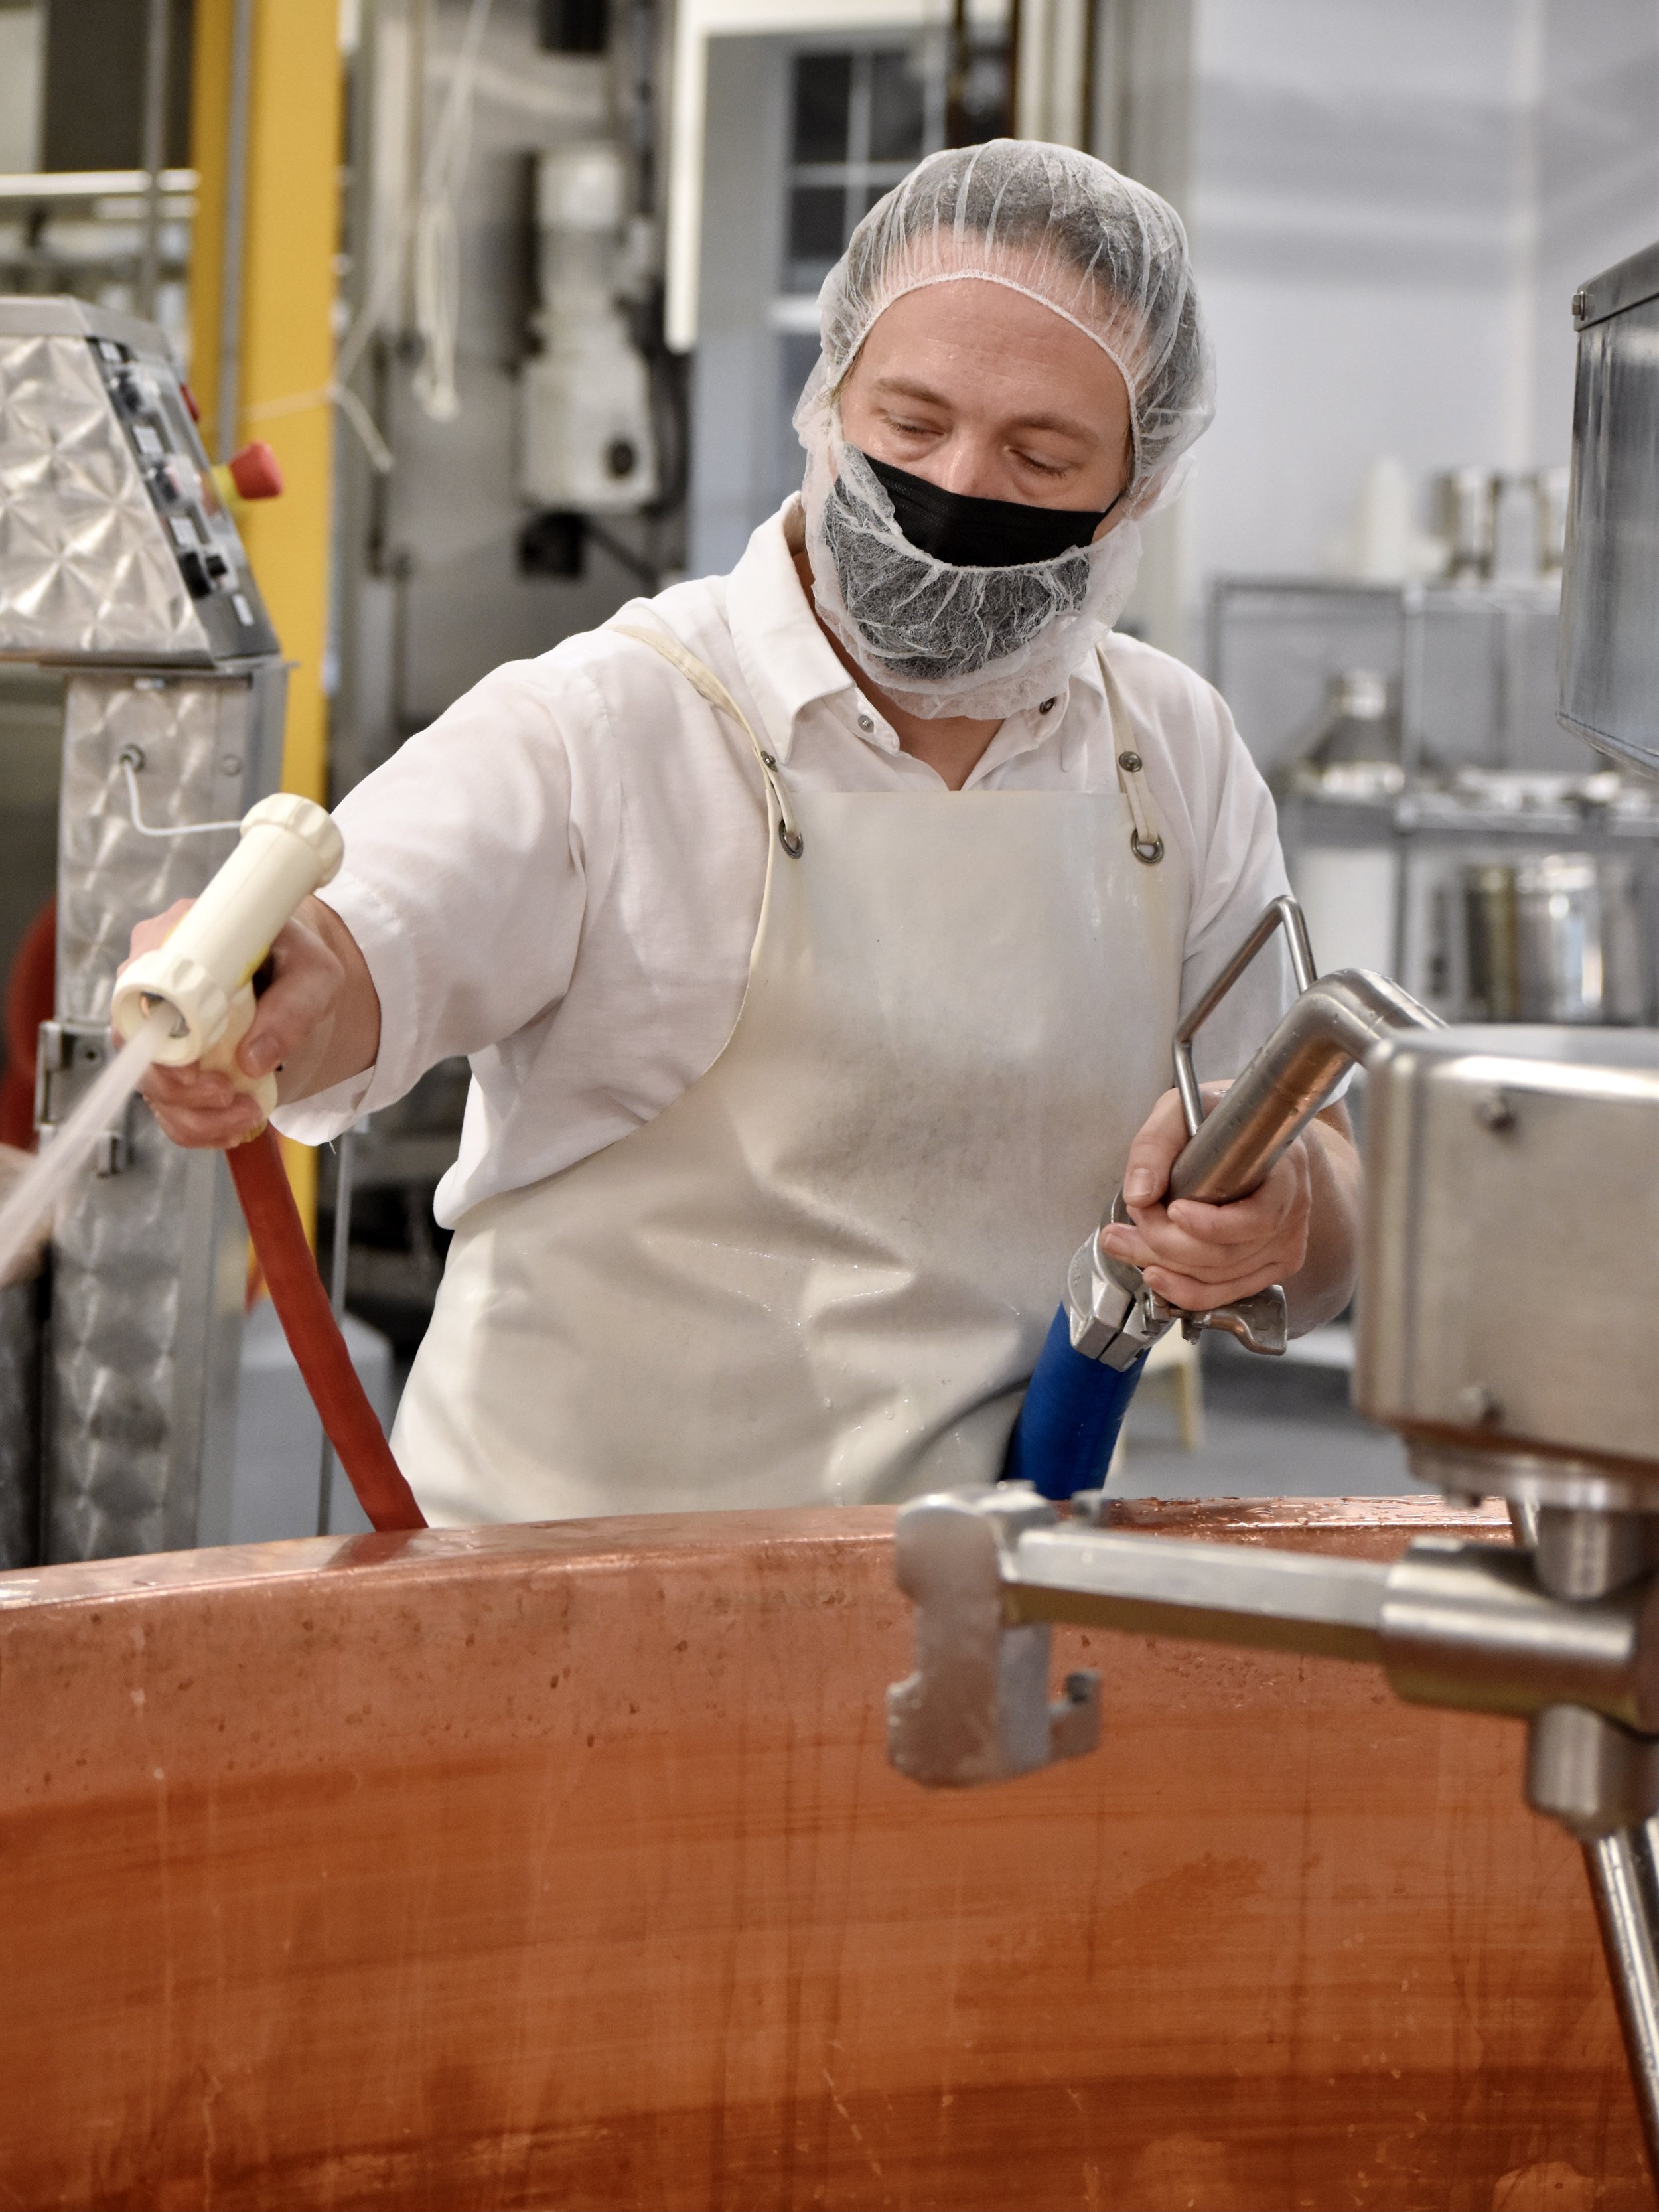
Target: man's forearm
[1325,1283]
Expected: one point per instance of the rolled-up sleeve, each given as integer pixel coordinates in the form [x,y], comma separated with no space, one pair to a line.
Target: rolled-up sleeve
[464,885]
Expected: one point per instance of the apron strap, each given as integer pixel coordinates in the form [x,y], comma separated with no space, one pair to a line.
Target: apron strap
[1145,842]
[703,681]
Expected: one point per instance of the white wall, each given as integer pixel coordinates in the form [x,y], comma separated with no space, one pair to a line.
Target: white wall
[1390,202]
[1598,176]
[1356,165]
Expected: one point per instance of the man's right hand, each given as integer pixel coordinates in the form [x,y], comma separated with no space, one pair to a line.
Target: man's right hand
[316,1023]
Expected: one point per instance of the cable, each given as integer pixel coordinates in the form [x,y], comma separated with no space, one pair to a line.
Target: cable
[352,1425]
[129,761]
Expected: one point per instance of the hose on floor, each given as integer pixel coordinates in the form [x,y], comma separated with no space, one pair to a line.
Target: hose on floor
[314,1335]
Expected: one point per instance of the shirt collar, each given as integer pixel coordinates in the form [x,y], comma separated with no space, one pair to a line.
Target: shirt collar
[1030,729]
[786,660]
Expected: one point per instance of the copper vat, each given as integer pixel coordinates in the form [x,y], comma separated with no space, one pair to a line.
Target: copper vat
[562,1867]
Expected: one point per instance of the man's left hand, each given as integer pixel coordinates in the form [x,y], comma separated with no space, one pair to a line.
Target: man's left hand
[1197,1256]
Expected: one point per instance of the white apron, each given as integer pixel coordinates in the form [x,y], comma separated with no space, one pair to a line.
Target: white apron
[824,1272]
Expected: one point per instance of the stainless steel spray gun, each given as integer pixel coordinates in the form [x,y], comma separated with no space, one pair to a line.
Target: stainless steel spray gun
[1080,1389]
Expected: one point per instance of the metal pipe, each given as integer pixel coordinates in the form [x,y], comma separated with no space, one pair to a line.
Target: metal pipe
[1208,1593]
[1625,1886]
[1016,35]
[956,76]
[1259,1117]
[228,422]
[154,153]
[1584,1555]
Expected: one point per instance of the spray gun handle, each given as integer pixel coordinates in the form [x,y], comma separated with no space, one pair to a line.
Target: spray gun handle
[1335,1023]
[289,847]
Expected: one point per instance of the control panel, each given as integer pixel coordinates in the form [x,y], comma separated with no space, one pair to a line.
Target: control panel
[150,403]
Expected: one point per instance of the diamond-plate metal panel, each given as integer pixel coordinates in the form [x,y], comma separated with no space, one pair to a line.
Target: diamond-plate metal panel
[147,1265]
[193,731]
[85,566]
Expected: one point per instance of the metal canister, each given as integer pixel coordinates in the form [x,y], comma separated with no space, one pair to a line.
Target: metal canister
[1492,943]
[1560,939]
[1466,500]
[1554,937]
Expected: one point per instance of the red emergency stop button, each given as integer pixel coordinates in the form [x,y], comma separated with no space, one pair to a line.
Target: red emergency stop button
[256,471]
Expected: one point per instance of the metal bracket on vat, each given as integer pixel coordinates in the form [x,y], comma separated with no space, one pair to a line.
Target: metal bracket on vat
[977,1707]
[1466,1624]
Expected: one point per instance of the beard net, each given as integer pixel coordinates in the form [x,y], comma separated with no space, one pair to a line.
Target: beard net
[1111,257]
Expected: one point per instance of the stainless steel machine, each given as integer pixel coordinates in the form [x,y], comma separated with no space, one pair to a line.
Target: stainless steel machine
[123,580]
[1508,1333]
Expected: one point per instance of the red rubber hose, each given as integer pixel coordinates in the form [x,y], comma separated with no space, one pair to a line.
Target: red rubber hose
[297,1291]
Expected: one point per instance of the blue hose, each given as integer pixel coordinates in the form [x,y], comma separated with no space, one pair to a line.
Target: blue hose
[1074,1409]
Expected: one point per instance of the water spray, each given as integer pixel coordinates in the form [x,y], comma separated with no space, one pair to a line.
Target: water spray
[189,1000]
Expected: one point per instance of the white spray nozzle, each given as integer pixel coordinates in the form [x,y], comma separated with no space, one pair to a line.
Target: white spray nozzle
[289,847]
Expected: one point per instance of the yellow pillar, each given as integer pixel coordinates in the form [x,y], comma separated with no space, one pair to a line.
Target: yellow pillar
[290,237]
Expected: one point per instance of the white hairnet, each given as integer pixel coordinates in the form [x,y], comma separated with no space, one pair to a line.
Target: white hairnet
[1109,256]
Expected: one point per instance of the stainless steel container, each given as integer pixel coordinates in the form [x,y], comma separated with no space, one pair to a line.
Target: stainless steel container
[1466,509]
[1554,937]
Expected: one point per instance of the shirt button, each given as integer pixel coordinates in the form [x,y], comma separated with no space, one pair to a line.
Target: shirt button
[1047,707]
[866,723]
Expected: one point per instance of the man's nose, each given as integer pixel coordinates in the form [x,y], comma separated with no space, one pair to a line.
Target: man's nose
[966,464]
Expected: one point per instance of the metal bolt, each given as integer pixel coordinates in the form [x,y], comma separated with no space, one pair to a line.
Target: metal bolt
[1130,763]
[1580,302]
[866,723]
[769,760]
[1479,1406]
[1493,1111]
[230,764]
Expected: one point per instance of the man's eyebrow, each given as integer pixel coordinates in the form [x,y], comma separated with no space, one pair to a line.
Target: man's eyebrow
[904,388]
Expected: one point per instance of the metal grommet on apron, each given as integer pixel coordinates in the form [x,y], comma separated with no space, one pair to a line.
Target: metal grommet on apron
[823,1273]
[1145,841]
[704,682]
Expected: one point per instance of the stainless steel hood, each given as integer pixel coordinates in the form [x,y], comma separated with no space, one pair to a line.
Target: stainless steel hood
[1610,601]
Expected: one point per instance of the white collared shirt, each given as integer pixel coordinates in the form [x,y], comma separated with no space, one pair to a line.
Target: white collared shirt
[561,877]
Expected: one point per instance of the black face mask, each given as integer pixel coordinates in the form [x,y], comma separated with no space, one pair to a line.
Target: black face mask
[982,534]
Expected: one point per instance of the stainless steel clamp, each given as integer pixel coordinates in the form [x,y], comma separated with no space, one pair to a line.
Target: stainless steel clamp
[1476,1625]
